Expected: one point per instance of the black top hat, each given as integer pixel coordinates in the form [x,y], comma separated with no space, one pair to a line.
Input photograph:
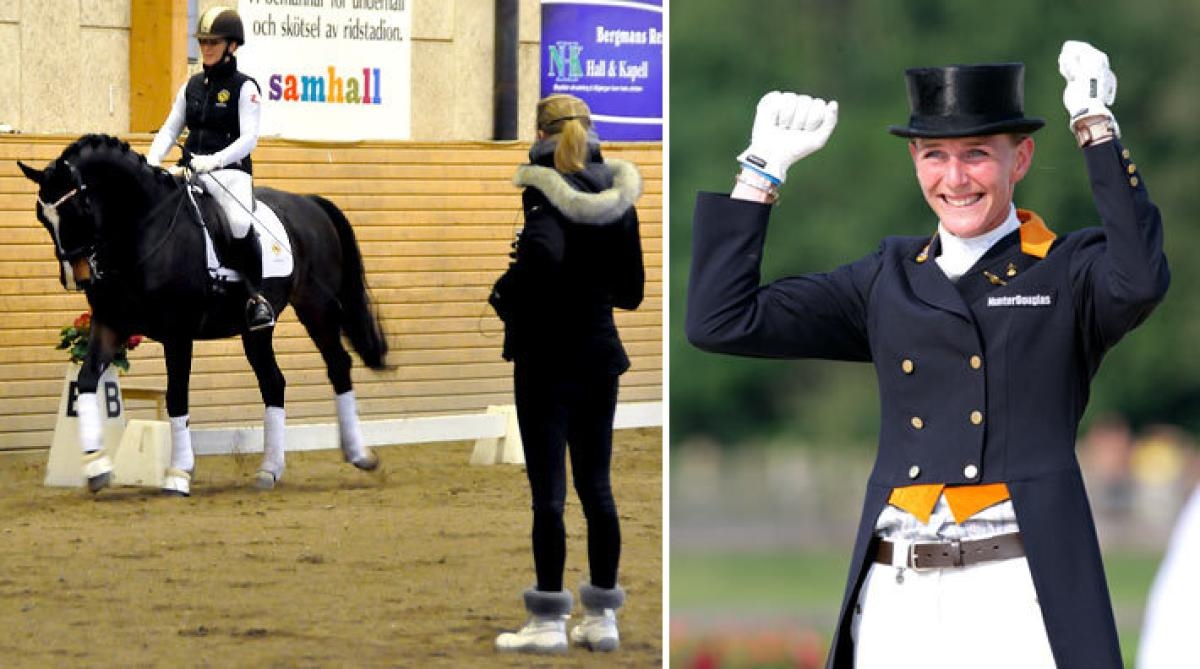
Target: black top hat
[966,101]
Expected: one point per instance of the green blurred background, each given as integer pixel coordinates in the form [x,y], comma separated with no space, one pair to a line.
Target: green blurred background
[769,459]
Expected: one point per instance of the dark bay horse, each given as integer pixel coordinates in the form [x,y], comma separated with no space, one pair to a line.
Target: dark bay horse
[128,235]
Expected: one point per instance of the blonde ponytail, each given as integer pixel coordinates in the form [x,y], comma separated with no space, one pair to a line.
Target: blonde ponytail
[571,153]
[569,118]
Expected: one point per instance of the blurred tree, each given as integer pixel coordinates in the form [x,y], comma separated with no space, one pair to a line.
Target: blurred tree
[838,203]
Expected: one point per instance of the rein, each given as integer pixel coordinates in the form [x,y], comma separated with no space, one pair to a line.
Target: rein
[170,226]
[100,245]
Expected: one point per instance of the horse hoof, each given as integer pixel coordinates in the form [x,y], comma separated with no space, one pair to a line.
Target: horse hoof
[177,482]
[265,480]
[368,462]
[100,482]
[98,470]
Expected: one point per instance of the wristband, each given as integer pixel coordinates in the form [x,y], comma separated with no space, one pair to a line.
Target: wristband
[757,181]
[751,165]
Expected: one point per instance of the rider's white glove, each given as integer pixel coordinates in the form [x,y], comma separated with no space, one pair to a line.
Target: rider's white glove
[1091,85]
[202,164]
[176,170]
[153,162]
[787,127]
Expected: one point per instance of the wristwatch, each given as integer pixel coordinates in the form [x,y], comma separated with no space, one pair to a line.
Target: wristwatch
[1091,130]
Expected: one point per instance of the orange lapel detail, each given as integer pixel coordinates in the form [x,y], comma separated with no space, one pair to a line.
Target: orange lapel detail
[964,501]
[1036,238]
[918,500]
[968,500]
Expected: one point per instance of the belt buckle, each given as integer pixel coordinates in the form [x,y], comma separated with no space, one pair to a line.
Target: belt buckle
[912,559]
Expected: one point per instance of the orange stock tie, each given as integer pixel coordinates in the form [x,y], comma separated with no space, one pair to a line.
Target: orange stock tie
[1036,238]
[964,500]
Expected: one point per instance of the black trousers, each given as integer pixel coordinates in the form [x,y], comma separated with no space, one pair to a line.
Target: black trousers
[557,408]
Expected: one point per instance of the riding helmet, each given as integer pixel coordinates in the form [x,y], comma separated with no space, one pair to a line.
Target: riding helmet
[221,22]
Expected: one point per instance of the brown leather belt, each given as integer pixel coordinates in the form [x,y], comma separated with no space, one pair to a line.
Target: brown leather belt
[955,553]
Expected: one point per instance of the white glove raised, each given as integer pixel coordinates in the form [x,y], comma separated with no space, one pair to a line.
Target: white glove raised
[204,163]
[787,127]
[1091,85]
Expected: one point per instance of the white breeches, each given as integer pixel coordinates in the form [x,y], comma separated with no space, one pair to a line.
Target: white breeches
[234,191]
[986,614]
[1169,627]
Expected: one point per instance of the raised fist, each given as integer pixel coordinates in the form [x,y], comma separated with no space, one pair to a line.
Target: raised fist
[1091,85]
[787,127]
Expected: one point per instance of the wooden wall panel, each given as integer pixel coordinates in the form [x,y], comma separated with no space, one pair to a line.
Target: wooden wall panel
[434,221]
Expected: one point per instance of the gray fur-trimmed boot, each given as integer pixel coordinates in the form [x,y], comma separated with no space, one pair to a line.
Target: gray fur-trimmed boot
[598,630]
[546,629]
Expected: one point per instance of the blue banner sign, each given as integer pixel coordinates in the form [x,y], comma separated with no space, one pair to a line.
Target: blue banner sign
[608,53]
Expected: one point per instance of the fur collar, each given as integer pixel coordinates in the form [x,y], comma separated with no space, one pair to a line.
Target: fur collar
[581,207]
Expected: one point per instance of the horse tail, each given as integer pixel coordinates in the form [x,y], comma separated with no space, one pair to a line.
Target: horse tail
[359,320]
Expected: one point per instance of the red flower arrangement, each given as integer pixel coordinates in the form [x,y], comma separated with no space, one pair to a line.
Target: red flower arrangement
[75,339]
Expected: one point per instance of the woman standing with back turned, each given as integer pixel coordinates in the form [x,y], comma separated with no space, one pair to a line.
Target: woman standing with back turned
[578,256]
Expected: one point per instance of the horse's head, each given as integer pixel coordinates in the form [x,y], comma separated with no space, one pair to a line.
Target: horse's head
[65,208]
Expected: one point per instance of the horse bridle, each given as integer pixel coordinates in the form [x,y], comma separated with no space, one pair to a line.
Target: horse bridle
[89,251]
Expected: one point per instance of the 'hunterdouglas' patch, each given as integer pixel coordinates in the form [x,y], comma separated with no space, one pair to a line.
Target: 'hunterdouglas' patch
[1021,300]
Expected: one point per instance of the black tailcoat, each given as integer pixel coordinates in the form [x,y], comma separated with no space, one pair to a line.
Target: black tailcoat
[1040,337]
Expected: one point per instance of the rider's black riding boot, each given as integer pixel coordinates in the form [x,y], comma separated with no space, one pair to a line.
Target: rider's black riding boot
[248,262]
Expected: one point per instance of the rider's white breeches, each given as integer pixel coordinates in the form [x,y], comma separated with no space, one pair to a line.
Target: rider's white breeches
[234,191]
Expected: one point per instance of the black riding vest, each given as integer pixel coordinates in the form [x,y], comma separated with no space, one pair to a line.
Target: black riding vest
[212,111]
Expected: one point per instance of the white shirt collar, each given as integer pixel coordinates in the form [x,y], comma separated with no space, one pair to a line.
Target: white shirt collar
[959,254]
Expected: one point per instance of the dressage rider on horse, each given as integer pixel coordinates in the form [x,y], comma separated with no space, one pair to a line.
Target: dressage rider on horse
[220,107]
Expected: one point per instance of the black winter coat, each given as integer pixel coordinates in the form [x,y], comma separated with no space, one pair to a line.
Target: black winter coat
[578,256]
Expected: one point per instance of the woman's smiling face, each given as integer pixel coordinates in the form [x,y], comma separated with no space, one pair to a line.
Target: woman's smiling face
[969,181]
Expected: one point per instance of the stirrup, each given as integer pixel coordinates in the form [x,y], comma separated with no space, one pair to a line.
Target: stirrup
[259,315]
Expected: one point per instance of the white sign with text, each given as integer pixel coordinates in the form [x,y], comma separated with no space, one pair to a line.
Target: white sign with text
[330,69]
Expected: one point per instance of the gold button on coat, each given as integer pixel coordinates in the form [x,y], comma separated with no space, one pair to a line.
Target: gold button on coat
[1133,181]
[970,471]
[917,422]
[907,366]
[1132,168]
[914,471]
[976,417]
[976,362]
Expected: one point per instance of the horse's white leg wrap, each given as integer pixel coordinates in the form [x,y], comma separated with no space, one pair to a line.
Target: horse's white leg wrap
[350,434]
[273,430]
[348,428]
[182,456]
[97,467]
[90,429]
